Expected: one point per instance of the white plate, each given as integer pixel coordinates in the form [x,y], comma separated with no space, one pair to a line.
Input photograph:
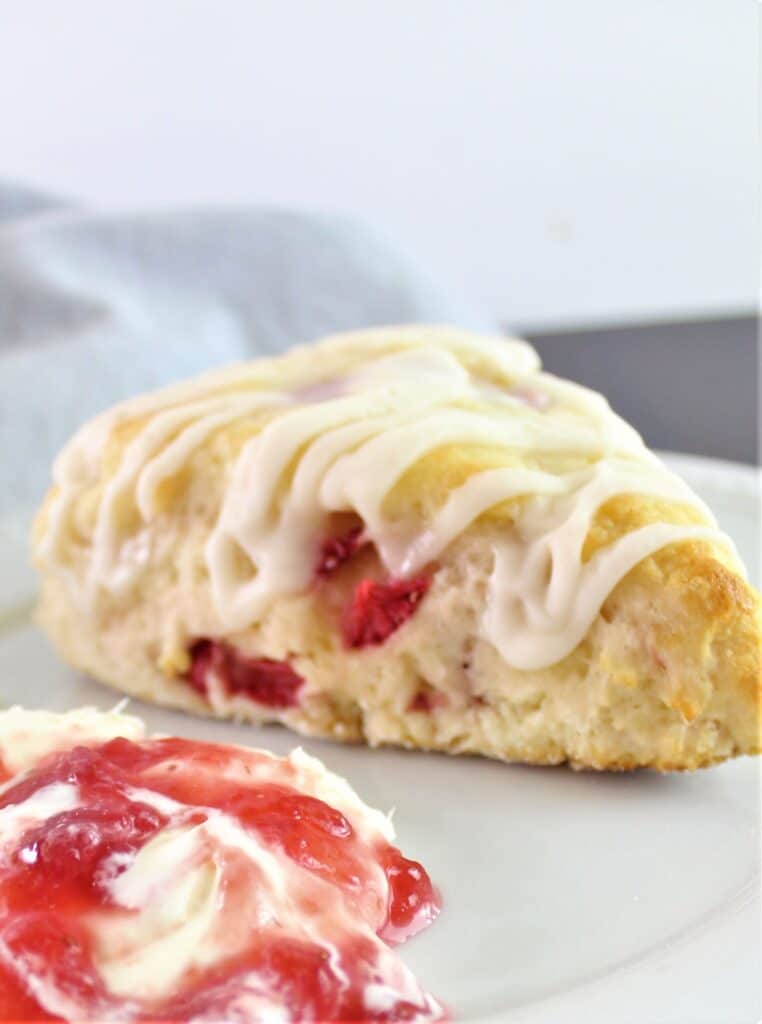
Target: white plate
[567,897]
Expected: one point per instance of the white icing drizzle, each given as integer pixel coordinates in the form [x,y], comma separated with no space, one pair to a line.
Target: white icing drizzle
[347,440]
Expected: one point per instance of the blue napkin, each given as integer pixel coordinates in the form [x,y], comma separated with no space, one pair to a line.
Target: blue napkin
[96,306]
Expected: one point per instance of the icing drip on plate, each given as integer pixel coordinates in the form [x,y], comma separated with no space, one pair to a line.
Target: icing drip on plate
[342,444]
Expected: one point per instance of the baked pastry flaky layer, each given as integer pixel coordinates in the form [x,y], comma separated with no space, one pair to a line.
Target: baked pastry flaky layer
[406,536]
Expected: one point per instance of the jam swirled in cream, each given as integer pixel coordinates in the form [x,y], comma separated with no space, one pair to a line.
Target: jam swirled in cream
[177,880]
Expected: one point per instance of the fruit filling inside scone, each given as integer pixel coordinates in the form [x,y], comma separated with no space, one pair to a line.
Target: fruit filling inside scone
[372,612]
[406,535]
[168,879]
[265,681]
[379,609]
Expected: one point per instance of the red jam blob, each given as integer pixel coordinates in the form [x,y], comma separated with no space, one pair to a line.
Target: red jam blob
[335,551]
[16,1002]
[69,846]
[55,878]
[378,609]
[264,680]
[413,901]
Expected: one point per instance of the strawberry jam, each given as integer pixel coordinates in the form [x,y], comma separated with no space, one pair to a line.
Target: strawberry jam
[379,609]
[264,680]
[274,903]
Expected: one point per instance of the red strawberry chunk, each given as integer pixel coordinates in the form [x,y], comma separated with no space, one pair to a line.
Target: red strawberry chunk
[427,700]
[265,680]
[335,551]
[378,609]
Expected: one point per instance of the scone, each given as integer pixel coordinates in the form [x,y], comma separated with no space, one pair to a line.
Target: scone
[404,536]
[158,879]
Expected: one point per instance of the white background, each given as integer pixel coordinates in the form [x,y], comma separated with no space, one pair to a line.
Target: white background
[560,161]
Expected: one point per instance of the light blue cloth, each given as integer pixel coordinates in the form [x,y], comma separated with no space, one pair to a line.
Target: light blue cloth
[97,306]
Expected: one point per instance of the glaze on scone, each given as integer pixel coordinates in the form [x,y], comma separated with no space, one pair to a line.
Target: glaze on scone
[409,536]
[156,879]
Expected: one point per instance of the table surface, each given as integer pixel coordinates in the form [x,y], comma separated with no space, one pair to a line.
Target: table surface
[689,387]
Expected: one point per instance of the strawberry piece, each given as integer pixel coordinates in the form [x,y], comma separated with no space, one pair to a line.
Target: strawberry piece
[378,609]
[335,551]
[427,700]
[265,680]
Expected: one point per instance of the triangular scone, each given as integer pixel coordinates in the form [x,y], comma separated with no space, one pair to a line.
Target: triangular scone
[408,536]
